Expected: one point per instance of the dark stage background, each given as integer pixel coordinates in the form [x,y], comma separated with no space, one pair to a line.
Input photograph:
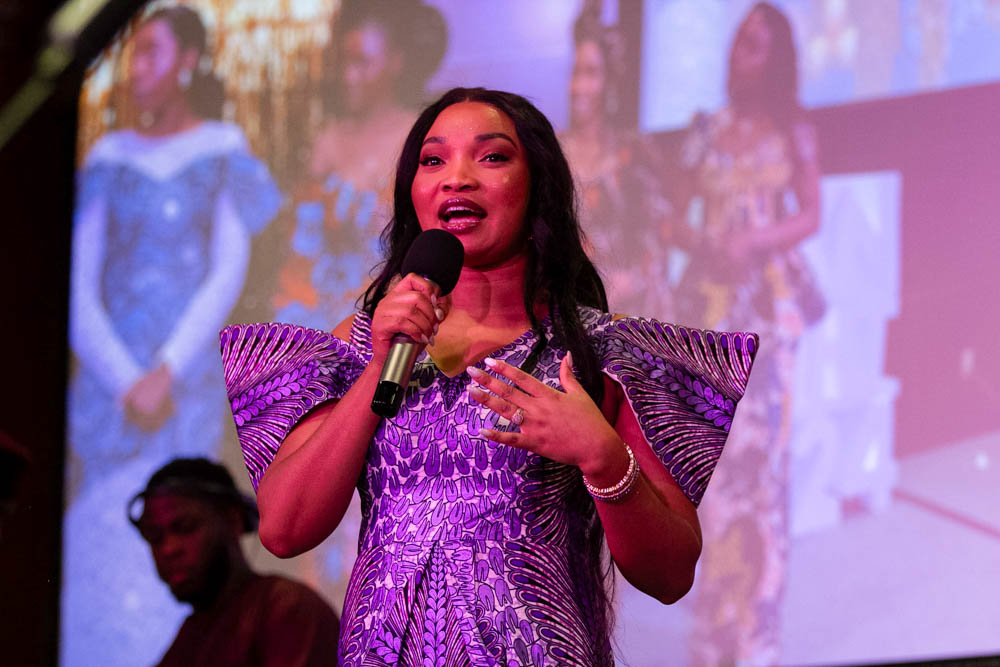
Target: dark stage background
[887,482]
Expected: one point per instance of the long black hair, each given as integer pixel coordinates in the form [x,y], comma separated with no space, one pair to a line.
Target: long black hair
[415,30]
[559,273]
[608,40]
[777,93]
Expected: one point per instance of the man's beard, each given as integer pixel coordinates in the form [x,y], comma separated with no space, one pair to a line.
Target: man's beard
[210,582]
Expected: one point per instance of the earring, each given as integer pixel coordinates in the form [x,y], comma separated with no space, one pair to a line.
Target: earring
[184,78]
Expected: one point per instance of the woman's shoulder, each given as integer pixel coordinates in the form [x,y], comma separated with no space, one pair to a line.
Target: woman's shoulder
[356,331]
[353,326]
[343,330]
[163,156]
[595,318]
[618,333]
[592,319]
[111,147]
[596,325]
[210,138]
[225,135]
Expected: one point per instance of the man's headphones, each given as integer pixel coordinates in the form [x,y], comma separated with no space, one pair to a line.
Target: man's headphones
[189,485]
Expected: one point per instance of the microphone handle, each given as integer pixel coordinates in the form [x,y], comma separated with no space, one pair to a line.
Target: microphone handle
[395,376]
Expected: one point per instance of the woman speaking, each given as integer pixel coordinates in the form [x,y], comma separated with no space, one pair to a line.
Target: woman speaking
[535,427]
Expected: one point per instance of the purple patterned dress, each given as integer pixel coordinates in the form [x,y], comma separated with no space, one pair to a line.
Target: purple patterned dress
[469,552]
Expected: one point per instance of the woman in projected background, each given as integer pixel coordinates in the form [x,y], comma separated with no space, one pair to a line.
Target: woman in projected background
[755,177]
[380,58]
[617,173]
[161,243]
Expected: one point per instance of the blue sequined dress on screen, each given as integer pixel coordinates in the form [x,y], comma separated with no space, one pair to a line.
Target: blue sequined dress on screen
[160,250]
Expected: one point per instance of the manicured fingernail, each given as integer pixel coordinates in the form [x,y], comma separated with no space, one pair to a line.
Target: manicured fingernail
[440,314]
[474,372]
[491,362]
[434,299]
[475,391]
[487,433]
[432,340]
[435,329]
[424,338]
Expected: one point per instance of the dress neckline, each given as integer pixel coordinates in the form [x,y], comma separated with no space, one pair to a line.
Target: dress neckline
[525,338]
[161,158]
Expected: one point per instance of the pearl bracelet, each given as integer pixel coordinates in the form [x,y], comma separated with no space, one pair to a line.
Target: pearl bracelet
[623,487]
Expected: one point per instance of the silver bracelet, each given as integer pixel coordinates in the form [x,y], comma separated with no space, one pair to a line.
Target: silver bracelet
[624,485]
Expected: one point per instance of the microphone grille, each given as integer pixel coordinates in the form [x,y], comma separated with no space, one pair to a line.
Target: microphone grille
[437,255]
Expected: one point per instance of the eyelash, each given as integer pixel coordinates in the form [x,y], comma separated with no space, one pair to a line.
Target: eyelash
[433,160]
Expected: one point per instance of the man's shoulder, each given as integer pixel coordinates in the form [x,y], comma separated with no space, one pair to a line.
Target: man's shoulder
[277,584]
[284,593]
[292,609]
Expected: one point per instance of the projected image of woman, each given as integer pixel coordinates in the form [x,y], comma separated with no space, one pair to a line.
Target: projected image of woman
[617,173]
[380,58]
[755,171]
[165,211]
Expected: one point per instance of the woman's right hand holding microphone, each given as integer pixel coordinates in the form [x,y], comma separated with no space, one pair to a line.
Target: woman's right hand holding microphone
[410,307]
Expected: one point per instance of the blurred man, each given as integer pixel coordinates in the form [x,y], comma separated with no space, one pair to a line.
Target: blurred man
[192,516]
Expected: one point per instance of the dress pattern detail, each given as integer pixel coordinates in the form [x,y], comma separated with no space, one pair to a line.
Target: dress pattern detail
[468,552]
[305,368]
[668,370]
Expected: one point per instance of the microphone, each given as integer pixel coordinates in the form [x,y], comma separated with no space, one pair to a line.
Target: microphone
[437,256]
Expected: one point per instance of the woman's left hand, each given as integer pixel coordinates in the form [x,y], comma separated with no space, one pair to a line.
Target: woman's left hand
[567,427]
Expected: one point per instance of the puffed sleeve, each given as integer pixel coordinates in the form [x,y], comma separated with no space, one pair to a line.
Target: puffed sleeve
[94,179]
[683,386]
[253,190]
[275,374]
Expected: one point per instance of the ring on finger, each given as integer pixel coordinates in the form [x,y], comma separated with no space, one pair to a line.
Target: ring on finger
[518,417]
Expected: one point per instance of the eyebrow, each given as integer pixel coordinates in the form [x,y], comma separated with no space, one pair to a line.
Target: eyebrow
[479,138]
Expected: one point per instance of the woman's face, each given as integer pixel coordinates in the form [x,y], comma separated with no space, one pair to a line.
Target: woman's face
[586,86]
[473,181]
[752,47]
[369,68]
[155,63]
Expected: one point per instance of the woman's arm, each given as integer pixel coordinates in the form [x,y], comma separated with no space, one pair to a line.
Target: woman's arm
[653,533]
[804,222]
[210,305]
[306,490]
[91,333]
[321,161]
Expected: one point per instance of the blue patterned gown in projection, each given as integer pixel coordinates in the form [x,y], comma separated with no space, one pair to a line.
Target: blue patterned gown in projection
[336,236]
[470,551]
[161,244]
